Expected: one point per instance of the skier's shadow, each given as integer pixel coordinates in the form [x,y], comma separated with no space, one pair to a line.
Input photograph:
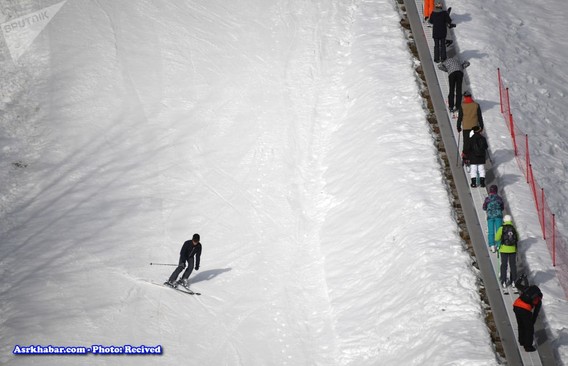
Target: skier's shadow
[208,275]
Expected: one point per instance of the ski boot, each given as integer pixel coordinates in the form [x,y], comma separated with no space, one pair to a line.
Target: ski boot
[183,283]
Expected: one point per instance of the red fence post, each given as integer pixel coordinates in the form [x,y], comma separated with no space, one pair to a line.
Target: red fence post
[512,130]
[527,154]
[533,188]
[508,102]
[543,218]
[553,240]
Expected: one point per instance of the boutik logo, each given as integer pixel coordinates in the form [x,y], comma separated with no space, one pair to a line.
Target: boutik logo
[19,33]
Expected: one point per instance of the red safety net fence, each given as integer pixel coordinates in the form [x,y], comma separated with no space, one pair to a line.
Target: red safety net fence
[556,244]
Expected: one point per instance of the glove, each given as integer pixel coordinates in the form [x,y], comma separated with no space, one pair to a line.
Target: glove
[197,268]
[452,25]
[459,129]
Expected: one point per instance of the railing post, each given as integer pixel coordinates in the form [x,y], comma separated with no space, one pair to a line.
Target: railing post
[543,218]
[512,131]
[533,189]
[527,155]
[553,240]
[508,102]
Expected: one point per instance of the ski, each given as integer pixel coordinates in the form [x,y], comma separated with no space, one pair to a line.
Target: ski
[184,289]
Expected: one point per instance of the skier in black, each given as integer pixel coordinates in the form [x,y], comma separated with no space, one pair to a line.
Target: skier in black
[475,150]
[440,20]
[454,67]
[189,250]
[526,309]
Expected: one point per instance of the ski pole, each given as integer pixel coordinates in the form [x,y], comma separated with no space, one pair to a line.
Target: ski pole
[162,264]
[458,152]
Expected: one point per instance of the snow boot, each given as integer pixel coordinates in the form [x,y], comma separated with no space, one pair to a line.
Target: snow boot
[482,182]
[473,182]
[171,284]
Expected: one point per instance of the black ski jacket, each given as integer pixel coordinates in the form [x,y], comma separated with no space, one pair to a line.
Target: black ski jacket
[189,250]
[469,150]
[440,20]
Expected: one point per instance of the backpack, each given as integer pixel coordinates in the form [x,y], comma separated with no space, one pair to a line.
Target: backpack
[478,147]
[494,206]
[531,294]
[509,235]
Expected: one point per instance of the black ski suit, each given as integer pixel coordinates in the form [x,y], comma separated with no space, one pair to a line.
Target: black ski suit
[440,20]
[526,313]
[476,156]
[187,253]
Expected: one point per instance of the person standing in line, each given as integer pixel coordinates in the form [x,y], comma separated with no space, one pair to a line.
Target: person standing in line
[455,69]
[526,309]
[428,8]
[507,235]
[475,150]
[493,206]
[469,116]
[440,20]
[191,249]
